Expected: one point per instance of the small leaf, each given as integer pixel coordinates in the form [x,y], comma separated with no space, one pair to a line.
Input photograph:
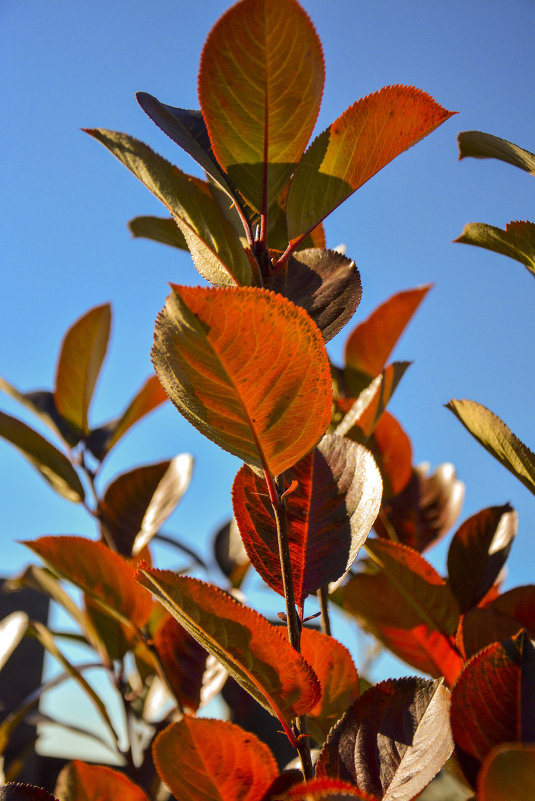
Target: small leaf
[517,241]
[230,554]
[260,86]
[325,790]
[362,414]
[24,792]
[392,450]
[253,651]
[481,627]
[213,759]
[158,229]
[79,781]
[520,604]
[329,515]
[497,439]
[478,551]
[368,135]
[137,503]
[219,256]
[41,402]
[508,774]
[487,146]
[392,741]
[183,660]
[47,459]
[248,369]
[325,283]
[12,631]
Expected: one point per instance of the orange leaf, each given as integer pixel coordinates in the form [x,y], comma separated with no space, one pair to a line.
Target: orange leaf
[183,660]
[325,790]
[79,781]
[508,774]
[392,450]
[248,369]
[202,758]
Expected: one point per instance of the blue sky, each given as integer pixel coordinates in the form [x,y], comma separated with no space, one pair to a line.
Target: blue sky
[65,246]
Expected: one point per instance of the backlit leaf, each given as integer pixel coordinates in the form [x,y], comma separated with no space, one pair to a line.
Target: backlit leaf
[47,459]
[137,503]
[485,146]
[362,414]
[492,700]
[517,241]
[325,283]
[329,515]
[79,781]
[24,792]
[158,229]
[101,573]
[368,135]
[260,86]
[213,759]
[219,255]
[82,352]
[230,554]
[248,369]
[325,790]
[183,660]
[392,451]
[508,774]
[497,439]
[478,551]
[253,651]
[392,741]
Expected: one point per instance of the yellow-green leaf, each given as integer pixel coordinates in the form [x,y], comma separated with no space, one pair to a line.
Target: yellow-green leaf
[487,146]
[158,229]
[517,241]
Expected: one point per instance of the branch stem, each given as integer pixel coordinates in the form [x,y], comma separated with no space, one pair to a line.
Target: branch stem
[323,599]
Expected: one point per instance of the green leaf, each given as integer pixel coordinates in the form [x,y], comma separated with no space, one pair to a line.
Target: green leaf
[517,241]
[486,146]
[159,229]
[497,439]
[218,253]
[47,459]
[260,86]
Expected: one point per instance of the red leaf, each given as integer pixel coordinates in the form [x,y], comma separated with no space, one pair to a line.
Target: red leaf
[79,781]
[508,774]
[325,790]
[24,792]
[183,660]
[392,450]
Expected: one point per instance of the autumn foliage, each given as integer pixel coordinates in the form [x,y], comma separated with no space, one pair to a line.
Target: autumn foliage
[328,503]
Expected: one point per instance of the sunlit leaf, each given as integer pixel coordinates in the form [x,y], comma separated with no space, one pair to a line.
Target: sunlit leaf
[362,414]
[392,451]
[41,402]
[45,457]
[24,792]
[183,660]
[325,283]
[260,86]
[368,135]
[517,241]
[497,439]
[230,554]
[248,369]
[329,514]
[492,700]
[478,551]
[137,503]
[508,774]
[12,631]
[79,781]
[213,759]
[219,255]
[158,229]
[485,146]
[325,790]
[253,651]
[392,741]
[82,352]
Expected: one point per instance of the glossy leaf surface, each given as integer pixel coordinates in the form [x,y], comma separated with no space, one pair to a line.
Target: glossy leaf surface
[79,781]
[213,759]
[183,660]
[517,241]
[392,741]
[253,651]
[497,439]
[368,135]
[158,229]
[260,86]
[82,353]
[485,146]
[13,627]
[248,369]
[508,774]
[51,463]
[329,515]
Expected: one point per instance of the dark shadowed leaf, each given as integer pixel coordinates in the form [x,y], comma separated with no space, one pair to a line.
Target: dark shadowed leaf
[520,604]
[517,241]
[330,513]
[487,146]
[508,774]
[325,283]
[392,741]
[248,369]
[79,781]
[47,459]
[492,700]
[260,86]
[425,510]
[158,229]
[137,503]
[183,660]
[362,414]
[478,551]
[82,352]
[497,439]
[325,790]
[230,554]
[41,403]
[368,135]
[213,759]
[481,627]
[392,450]
[24,792]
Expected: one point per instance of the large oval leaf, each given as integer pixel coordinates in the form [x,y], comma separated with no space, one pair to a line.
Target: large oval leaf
[248,369]
[253,651]
[329,515]
[79,781]
[368,135]
[213,759]
[260,86]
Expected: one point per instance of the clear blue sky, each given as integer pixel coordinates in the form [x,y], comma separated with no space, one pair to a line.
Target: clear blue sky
[65,246]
